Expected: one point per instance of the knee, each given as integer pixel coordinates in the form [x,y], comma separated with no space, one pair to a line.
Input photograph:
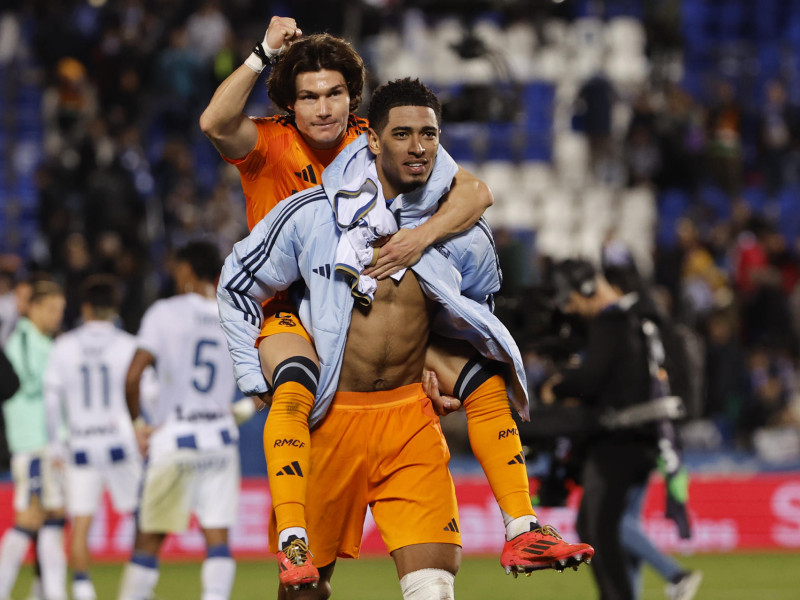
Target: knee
[428,584]
[30,519]
[148,544]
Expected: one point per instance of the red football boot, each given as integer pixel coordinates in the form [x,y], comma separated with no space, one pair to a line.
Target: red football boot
[543,548]
[295,566]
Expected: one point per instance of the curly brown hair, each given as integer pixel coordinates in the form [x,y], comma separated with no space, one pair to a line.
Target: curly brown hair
[315,53]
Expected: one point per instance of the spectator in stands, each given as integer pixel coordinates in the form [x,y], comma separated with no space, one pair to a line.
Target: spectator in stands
[69,105]
[724,148]
[777,131]
[726,373]
[764,304]
[77,266]
[703,284]
[177,77]
[773,384]
[642,152]
[681,140]
[593,116]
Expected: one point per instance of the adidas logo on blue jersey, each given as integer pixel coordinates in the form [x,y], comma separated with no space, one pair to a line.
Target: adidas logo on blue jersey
[324,270]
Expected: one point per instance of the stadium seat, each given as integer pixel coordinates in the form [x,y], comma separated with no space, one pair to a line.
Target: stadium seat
[558,209]
[596,209]
[756,198]
[716,200]
[501,177]
[571,155]
[536,176]
[628,71]
[551,62]
[638,206]
[672,204]
[589,243]
[522,211]
[521,50]
[626,35]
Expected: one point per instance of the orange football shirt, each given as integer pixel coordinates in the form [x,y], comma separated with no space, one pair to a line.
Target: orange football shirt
[282,163]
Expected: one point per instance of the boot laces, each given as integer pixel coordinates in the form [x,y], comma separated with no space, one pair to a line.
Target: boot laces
[297,552]
[549,530]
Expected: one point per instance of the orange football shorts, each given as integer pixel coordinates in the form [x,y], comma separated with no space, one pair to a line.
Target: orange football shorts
[384,450]
[280,316]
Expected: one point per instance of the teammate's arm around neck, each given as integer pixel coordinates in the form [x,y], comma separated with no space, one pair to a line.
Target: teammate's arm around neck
[469,197]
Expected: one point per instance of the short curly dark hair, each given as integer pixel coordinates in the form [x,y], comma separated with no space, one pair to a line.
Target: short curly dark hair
[101,291]
[203,257]
[315,53]
[400,92]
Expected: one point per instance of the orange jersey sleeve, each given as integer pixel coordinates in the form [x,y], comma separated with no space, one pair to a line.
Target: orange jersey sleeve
[282,164]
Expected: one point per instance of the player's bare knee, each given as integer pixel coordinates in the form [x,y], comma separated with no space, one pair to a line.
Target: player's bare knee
[148,543]
[31,518]
[428,584]
[215,537]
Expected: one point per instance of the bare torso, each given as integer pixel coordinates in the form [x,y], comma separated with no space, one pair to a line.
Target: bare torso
[387,341]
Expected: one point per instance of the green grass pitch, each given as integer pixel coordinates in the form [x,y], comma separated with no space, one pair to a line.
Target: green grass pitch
[768,576]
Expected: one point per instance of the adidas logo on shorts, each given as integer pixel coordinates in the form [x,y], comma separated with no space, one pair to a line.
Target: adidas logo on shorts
[452,526]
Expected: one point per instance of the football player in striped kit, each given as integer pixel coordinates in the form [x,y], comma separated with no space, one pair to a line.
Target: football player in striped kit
[191,439]
[85,382]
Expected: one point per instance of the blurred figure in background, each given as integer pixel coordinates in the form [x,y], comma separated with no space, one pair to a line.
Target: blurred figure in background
[38,490]
[619,371]
[191,438]
[85,385]
[14,296]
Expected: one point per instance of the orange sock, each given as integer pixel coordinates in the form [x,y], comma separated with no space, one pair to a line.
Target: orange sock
[287,449]
[494,438]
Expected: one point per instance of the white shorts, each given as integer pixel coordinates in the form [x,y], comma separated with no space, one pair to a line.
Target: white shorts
[35,476]
[85,484]
[186,481]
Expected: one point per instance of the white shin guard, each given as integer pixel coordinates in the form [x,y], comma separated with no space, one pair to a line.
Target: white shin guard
[428,584]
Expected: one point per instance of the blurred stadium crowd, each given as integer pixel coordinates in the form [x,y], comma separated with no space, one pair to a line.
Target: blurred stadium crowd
[662,135]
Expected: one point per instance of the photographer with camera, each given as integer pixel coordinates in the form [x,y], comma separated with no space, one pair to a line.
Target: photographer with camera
[622,383]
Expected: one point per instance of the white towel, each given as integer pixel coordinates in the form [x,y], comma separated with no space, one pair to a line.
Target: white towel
[361,210]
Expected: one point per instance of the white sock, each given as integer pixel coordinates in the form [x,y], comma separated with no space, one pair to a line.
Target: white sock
[289,531]
[13,548]
[520,525]
[53,561]
[36,592]
[217,576]
[138,582]
[428,584]
[83,589]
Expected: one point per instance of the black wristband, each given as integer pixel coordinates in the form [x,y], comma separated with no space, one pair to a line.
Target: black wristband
[266,59]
